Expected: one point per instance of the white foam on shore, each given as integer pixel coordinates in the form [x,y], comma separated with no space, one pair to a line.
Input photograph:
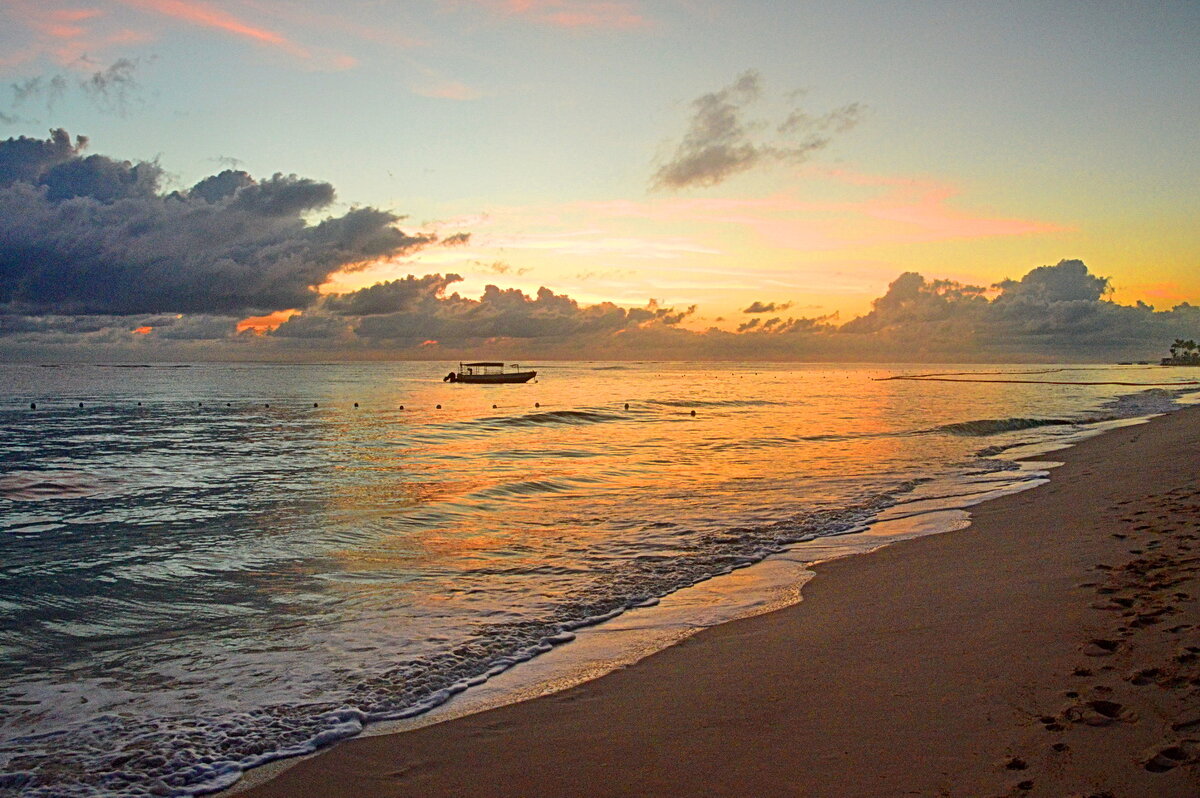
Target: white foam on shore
[767,585]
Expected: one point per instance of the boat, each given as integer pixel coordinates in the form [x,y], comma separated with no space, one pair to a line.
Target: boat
[489,373]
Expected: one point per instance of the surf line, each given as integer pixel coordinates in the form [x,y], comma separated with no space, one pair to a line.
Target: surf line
[930,378]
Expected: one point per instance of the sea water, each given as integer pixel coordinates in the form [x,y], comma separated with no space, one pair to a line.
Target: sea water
[206,567]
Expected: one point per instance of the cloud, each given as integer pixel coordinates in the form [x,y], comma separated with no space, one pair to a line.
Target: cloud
[571,14]
[500,267]
[72,36]
[1053,312]
[209,16]
[113,89]
[720,143]
[49,90]
[408,312]
[769,307]
[92,235]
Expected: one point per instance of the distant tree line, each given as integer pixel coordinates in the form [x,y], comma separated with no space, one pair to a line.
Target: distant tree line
[1183,353]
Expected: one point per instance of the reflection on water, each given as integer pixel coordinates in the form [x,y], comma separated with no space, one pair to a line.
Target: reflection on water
[219,559]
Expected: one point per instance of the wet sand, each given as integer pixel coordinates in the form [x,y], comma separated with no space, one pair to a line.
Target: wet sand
[1050,649]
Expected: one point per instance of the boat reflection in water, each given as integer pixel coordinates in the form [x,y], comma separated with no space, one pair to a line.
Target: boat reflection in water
[489,373]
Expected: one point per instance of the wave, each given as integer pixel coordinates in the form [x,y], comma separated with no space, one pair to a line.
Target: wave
[714,403]
[549,417]
[994,426]
[210,753]
[44,485]
[1143,403]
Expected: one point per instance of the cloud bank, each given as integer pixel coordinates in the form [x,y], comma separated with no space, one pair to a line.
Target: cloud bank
[97,261]
[89,235]
[721,143]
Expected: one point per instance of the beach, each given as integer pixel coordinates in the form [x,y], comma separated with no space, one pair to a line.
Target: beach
[1051,648]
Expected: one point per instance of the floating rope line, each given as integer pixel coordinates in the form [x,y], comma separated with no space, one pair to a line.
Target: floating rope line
[935,378]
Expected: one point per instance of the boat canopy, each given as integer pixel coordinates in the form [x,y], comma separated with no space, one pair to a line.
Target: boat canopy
[482,364]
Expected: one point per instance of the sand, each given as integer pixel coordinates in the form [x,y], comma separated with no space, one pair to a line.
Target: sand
[1050,649]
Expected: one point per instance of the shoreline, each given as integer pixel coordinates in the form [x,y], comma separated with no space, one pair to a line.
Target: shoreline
[954,663]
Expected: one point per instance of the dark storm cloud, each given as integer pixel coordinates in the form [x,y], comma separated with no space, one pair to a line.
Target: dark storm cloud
[720,143]
[93,235]
[392,296]
[26,159]
[221,186]
[767,307]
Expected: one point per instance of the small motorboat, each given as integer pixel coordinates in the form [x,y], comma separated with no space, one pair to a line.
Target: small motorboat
[489,374]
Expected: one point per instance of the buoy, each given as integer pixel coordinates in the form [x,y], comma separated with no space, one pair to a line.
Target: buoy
[227,404]
[627,405]
[267,405]
[81,404]
[139,404]
[199,404]
[537,404]
[439,407]
[356,404]
[493,407]
[314,404]
[693,412]
[401,407]
[33,405]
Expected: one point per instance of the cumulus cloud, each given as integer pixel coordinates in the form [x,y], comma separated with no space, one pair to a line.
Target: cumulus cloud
[93,235]
[1053,312]
[720,142]
[412,310]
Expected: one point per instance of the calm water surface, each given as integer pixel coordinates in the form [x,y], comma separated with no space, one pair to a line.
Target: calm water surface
[247,565]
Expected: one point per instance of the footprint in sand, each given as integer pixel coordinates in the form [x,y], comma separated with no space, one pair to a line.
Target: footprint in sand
[1100,647]
[1167,758]
[1100,712]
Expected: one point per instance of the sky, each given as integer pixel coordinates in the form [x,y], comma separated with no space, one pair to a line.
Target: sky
[634,178]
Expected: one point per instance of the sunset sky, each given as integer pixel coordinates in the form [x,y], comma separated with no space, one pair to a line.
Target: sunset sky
[690,152]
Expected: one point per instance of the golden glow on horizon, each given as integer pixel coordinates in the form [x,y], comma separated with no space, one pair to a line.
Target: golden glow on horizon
[262,324]
[829,241]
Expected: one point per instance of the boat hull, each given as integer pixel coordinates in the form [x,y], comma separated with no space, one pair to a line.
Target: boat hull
[496,379]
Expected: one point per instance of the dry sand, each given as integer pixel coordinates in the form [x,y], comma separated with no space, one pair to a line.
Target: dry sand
[1050,649]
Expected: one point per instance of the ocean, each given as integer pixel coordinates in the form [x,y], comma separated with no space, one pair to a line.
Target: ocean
[207,567]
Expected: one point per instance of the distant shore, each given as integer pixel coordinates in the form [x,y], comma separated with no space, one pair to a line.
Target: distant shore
[1050,649]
